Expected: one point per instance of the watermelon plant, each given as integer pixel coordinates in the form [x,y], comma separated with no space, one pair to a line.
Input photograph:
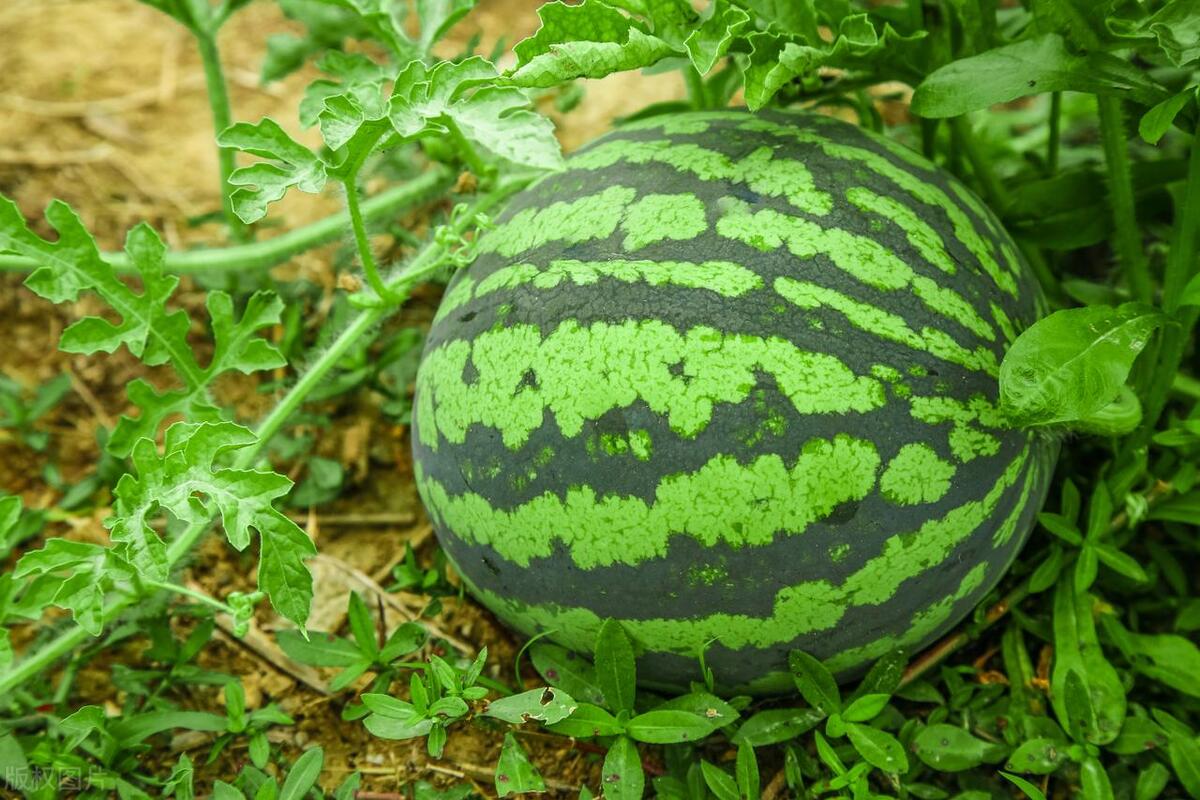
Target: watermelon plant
[746,413]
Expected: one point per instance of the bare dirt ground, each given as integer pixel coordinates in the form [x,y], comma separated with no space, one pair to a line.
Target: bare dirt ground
[103,105]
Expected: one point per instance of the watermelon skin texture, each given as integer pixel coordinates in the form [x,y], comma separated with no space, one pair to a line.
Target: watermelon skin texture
[730,379]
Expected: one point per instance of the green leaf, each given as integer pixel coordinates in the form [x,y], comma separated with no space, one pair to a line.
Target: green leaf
[1191,292]
[82,593]
[777,725]
[1151,781]
[616,669]
[1039,756]
[72,264]
[82,723]
[1070,365]
[379,17]
[326,27]
[589,40]
[1031,791]
[885,675]
[815,682]
[515,774]
[1094,780]
[588,721]
[362,627]
[1174,661]
[147,328]
[290,164]
[567,671]
[1158,120]
[438,17]
[709,706]
[748,780]
[865,708]
[1138,735]
[669,727]
[877,747]
[951,749]
[1117,561]
[1184,753]
[710,40]
[303,774]
[186,468]
[719,782]
[1077,651]
[543,705]
[491,119]
[1032,66]
[1176,26]
[621,776]
[318,649]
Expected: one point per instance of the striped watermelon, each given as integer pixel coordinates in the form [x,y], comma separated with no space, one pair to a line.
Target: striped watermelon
[731,379]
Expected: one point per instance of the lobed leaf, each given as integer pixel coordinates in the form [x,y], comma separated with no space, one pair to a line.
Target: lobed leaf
[589,40]
[290,164]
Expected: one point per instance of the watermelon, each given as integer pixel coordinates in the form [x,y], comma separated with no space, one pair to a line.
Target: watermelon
[731,380]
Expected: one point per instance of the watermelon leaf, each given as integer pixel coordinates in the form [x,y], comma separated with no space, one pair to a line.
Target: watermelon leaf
[1068,367]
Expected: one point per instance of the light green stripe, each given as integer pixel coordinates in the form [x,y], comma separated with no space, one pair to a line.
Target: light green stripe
[886,325]
[594,216]
[456,297]
[924,623]
[1007,528]
[920,189]
[722,502]
[1011,261]
[761,171]
[916,475]
[644,220]
[967,440]
[860,257]
[806,608]
[683,124]
[722,277]
[1004,322]
[579,373]
[919,233]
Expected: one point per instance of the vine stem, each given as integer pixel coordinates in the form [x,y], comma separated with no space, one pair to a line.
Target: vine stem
[361,240]
[696,90]
[1054,141]
[270,252]
[1120,188]
[466,149]
[222,116]
[1181,265]
[426,263]
[993,189]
